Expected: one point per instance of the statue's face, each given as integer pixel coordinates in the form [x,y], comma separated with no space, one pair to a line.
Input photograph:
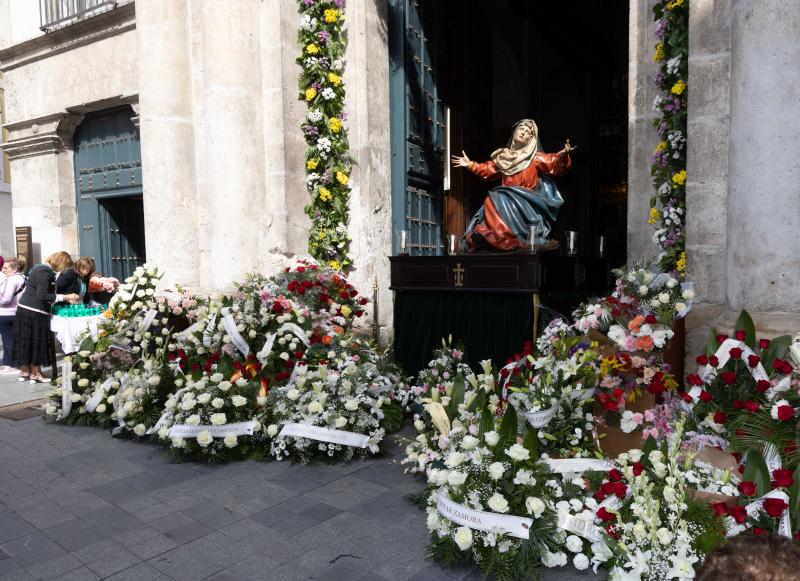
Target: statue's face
[522,135]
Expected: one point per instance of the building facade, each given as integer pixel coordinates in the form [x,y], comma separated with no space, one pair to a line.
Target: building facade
[171,130]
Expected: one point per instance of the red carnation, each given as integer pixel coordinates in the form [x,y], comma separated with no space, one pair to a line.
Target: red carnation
[747,488]
[637,468]
[752,406]
[763,385]
[720,508]
[782,366]
[705,396]
[758,531]
[301,269]
[782,478]
[650,319]
[728,377]
[753,360]
[362,301]
[774,507]
[738,404]
[614,475]
[740,335]
[763,343]
[713,361]
[785,413]
[738,513]
[720,417]
[344,295]
[620,489]
[686,397]
[607,516]
[735,353]
[721,339]
[702,360]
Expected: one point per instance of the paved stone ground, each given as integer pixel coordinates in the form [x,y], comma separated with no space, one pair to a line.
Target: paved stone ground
[76,504]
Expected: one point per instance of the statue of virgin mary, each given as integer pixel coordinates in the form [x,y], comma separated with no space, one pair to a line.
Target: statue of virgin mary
[526,197]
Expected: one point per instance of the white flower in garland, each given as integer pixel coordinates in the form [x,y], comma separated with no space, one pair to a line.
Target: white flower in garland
[308,22]
[315,115]
[328,94]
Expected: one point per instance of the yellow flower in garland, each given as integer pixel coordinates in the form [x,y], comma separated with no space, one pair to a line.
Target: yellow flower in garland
[334,79]
[322,234]
[655,216]
[679,178]
[680,265]
[679,87]
[673,4]
[345,309]
[342,178]
[662,145]
[325,194]
[659,54]
[335,124]
[312,49]
[312,164]
[311,93]
[331,15]
[334,264]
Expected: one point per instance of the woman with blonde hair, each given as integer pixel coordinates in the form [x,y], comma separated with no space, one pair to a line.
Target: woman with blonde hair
[32,336]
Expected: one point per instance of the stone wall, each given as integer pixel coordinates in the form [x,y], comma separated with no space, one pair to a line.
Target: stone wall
[742,194]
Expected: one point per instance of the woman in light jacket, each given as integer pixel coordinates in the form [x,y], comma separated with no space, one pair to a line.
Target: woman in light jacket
[33,339]
[12,283]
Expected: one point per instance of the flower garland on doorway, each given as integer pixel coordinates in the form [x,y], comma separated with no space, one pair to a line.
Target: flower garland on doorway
[328,160]
[668,205]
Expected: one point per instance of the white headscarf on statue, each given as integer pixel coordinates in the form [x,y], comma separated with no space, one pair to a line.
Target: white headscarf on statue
[513,159]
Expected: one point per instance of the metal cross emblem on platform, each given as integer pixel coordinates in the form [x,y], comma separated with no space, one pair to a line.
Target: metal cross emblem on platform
[459,271]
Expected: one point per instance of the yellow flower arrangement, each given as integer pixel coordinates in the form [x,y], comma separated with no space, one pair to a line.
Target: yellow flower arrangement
[342,178]
[312,164]
[659,54]
[679,178]
[679,87]
[673,4]
[662,145]
[311,92]
[312,49]
[322,234]
[655,216]
[334,264]
[325,194]
[335,124]
[334,79]
[331,15]
[680,265]
[345,310]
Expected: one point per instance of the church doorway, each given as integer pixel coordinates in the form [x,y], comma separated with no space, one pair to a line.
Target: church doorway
[108,183]
[463,73]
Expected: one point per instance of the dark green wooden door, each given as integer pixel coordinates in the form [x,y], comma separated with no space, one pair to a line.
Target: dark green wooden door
[108,182]
[417,124]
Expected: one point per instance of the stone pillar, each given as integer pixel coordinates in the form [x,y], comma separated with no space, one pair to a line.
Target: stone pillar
[167,139]
[764,201]
[642,136]
[234,191]
[39,150]
[367,106]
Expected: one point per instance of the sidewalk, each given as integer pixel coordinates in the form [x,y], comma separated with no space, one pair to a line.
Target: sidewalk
[14,391]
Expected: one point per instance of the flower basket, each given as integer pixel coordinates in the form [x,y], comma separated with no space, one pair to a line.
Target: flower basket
[675,351]
[611,439]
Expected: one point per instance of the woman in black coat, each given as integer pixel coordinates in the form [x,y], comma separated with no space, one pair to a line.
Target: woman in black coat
[32,336]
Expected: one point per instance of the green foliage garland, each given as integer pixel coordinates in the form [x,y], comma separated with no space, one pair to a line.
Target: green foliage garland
[328,160]
[668,205]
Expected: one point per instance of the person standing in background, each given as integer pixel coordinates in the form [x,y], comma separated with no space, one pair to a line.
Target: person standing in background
[85,267]
[33,340]
[12,283]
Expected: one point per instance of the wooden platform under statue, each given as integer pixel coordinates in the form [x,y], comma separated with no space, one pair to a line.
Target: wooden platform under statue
[487,301]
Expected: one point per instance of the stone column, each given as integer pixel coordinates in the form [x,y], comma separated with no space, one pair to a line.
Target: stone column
[234,189]
[167,138]
[642,137]
[764,200]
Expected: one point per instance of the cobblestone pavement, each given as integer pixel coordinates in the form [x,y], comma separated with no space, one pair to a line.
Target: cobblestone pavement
[77,504]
